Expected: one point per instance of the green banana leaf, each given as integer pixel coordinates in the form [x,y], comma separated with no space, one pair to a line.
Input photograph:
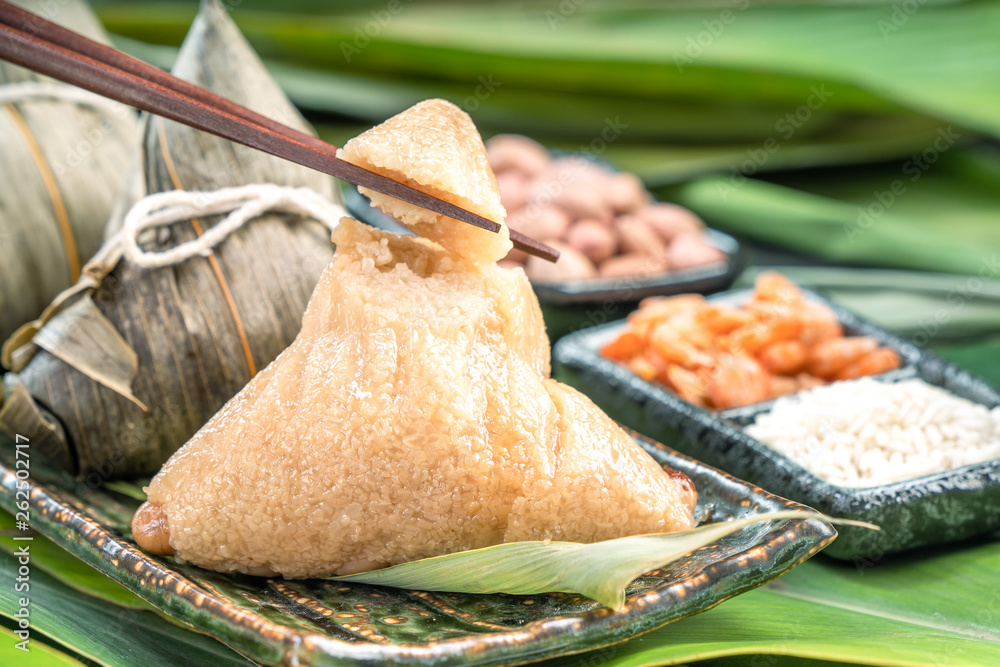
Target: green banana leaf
[106,634]
[943,218]
[649,148]
[39,654]
[647,124]
[69,569]
[937,60]
[983,355]
[610,60]
[940,608]
[928,609]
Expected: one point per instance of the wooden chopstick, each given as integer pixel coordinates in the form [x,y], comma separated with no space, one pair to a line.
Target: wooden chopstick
[35,43]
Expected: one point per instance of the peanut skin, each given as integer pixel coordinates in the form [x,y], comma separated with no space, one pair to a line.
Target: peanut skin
[572,265]
[577,198]
[639,237]
[631,264]
[670,220]
[543,224]
[690,250]
[626,193]
[595,240]
[514,187]
[517,153]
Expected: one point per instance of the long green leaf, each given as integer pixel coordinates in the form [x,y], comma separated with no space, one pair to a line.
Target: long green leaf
[981,357]
[132,489]
[938,60]
[942,218]
[69,569]
[541,113]
[930,609]
[656,146]
[37,654]
[108,635]
[601,570]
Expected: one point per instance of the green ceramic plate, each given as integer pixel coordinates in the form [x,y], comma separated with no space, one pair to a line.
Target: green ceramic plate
[314,622]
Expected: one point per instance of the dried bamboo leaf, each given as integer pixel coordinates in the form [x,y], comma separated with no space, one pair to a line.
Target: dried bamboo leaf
[19,349]
[62,164]
[22,415]
[83,337]
[202,328]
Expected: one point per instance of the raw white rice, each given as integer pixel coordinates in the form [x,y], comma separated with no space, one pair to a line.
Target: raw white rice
[862,432]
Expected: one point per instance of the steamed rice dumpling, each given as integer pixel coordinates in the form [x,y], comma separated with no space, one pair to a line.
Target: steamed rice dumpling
[452,165]
[63,164]
[412,416]
[193,334]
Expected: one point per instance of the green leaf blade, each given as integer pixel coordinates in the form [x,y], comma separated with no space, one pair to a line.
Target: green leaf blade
[601,570]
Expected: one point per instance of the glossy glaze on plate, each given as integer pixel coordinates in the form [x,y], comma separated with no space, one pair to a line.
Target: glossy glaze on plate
[315,622]
[937,508]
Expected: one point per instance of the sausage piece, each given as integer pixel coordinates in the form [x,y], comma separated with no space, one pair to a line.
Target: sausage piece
[150,530]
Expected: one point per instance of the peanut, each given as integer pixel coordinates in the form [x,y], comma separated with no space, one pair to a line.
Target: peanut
[572,265]
[517,153]
[593,239]
[631,264]
[690,250]
[670,220]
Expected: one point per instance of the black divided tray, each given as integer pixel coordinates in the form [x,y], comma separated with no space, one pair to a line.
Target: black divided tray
[941,507]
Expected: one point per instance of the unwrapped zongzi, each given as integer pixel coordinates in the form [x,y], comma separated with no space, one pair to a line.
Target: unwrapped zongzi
[412,416]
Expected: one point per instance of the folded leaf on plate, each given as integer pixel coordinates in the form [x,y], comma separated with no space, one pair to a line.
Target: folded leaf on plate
[600,571]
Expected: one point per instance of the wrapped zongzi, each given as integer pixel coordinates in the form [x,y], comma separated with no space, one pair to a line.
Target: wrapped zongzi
[131,369]
[64,156]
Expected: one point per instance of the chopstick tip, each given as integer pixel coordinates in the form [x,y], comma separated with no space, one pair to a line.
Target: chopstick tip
[533,247]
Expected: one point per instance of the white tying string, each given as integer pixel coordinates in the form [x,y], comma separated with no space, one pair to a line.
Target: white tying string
[243,203]
[27,91]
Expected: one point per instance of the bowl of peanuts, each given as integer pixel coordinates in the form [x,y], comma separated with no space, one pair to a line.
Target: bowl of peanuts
[618,245]
[780,387]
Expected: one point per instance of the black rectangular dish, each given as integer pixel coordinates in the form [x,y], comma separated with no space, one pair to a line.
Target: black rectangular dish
[936,508]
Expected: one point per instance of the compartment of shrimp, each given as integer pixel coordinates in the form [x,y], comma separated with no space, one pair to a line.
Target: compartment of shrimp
[736,352]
